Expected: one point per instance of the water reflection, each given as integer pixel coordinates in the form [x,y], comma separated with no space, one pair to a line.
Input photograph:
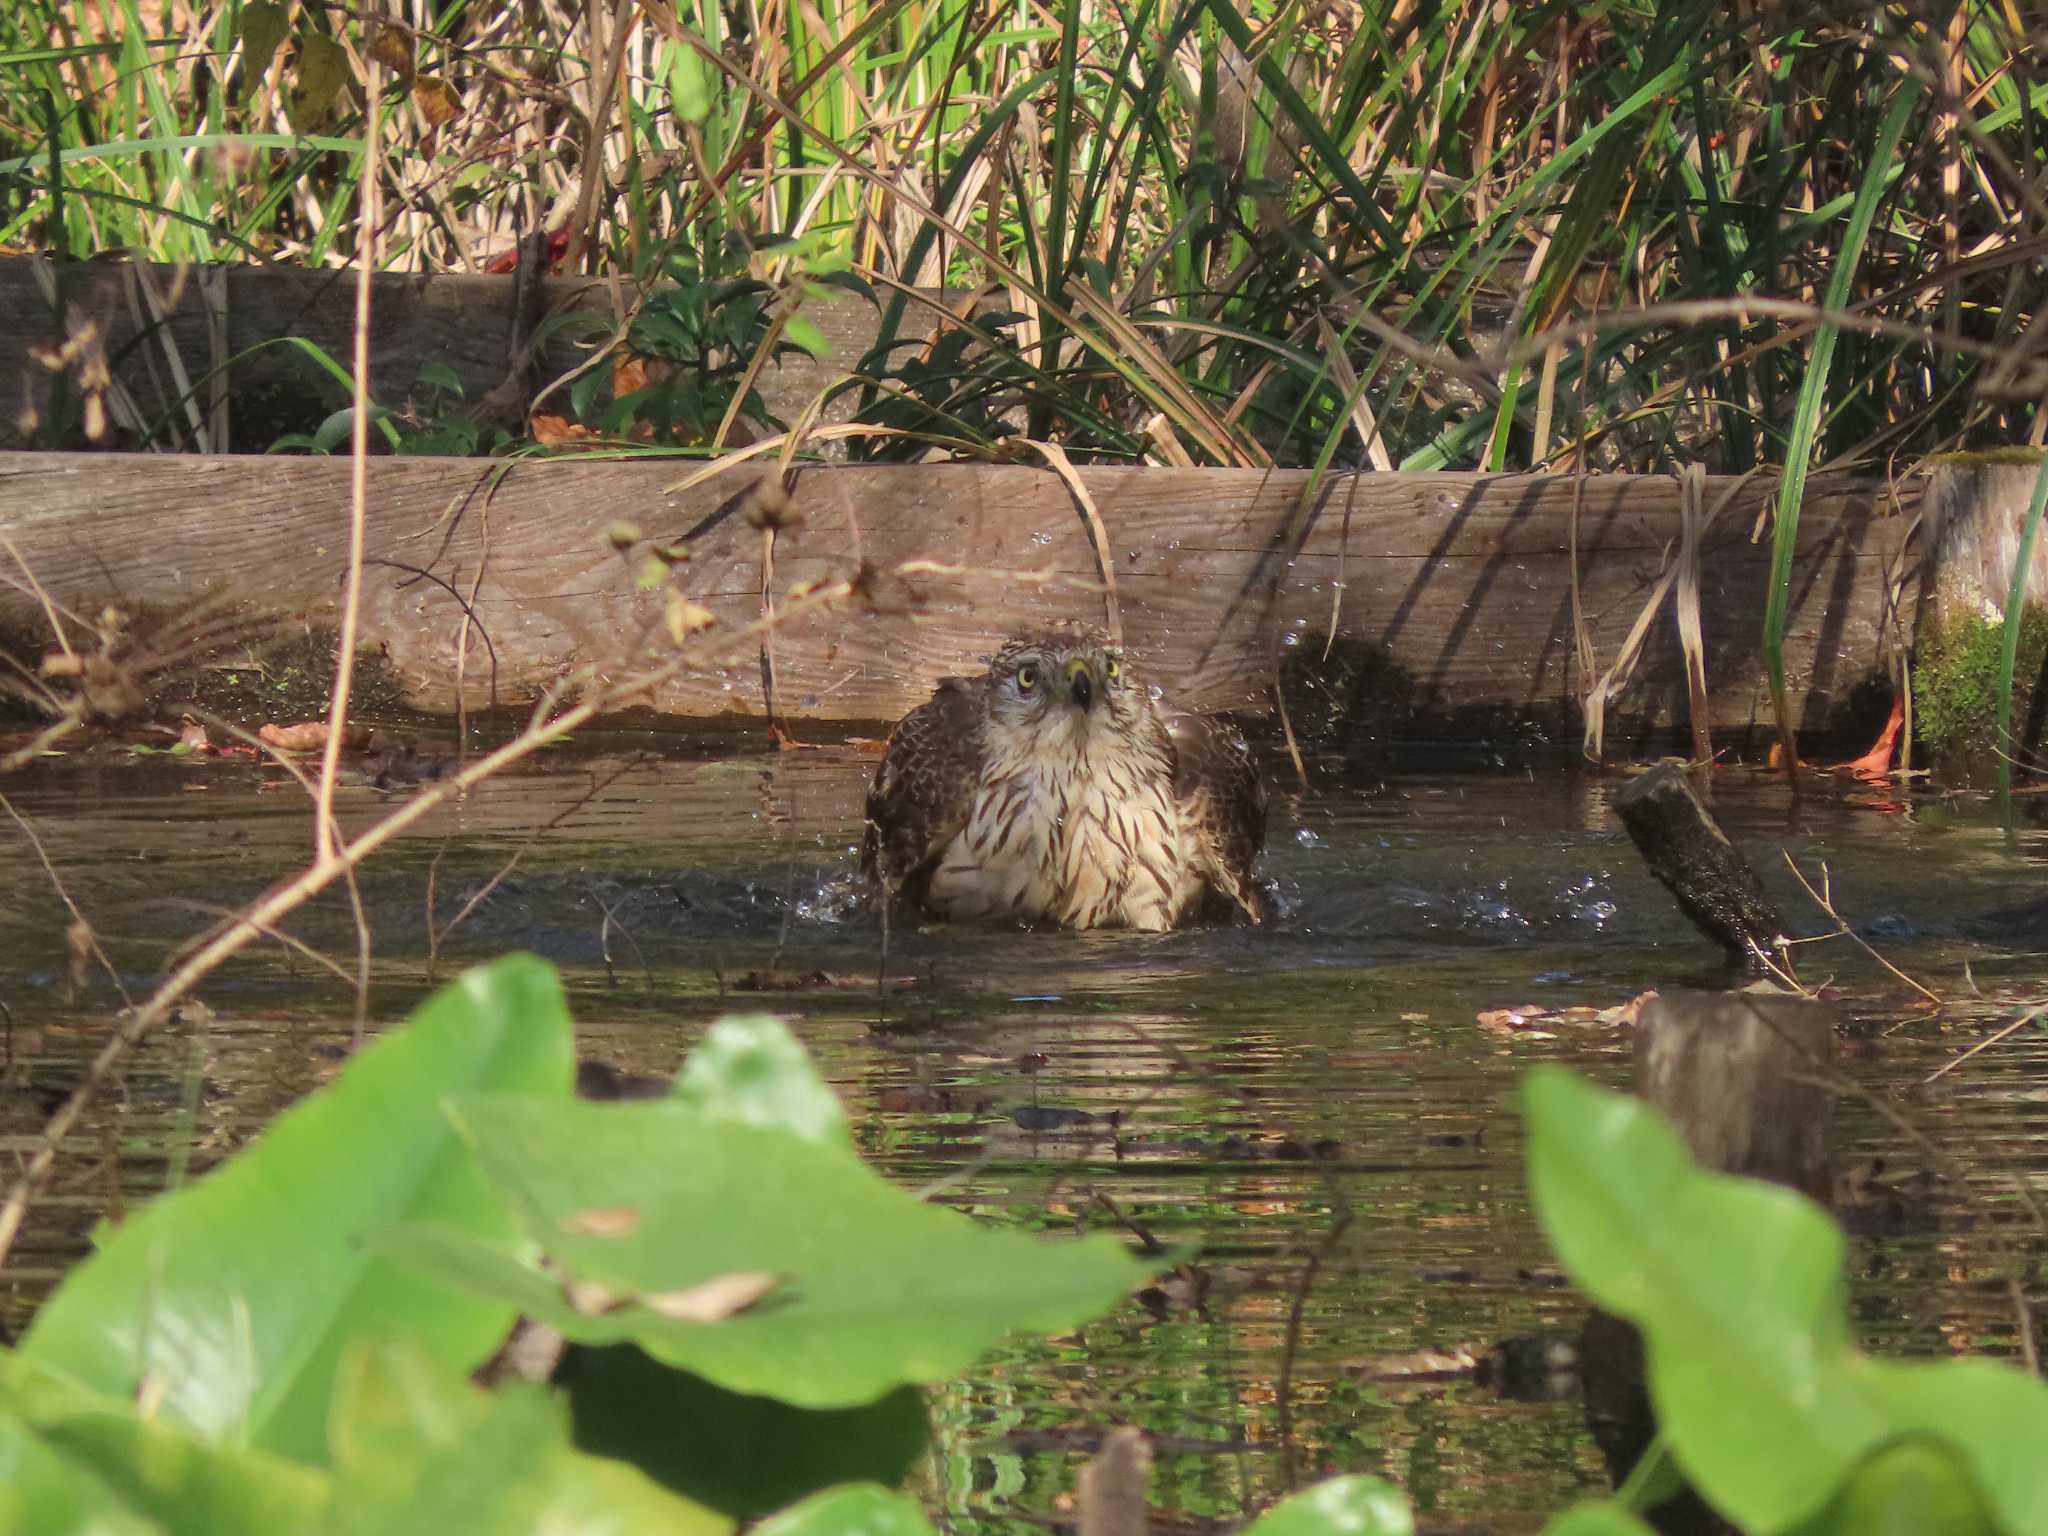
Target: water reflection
[1227,1093]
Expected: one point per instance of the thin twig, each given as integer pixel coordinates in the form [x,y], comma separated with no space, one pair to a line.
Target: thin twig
[372,185]
[1823,899]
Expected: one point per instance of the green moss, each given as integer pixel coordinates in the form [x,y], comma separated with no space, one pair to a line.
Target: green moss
[2030,457]
[287,679]
[1955,682]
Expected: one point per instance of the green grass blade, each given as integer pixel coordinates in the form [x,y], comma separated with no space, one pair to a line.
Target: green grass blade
[1812,399]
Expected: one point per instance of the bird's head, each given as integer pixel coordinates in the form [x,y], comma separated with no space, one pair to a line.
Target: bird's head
[1067,688]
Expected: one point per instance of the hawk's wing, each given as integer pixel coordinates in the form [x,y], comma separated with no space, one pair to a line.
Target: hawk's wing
[1223,805]
[924,789]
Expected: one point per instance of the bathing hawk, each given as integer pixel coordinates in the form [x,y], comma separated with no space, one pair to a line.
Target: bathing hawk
[1056,788]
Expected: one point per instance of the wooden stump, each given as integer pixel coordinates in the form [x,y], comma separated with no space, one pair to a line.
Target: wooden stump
[1741,1075]
[1976,509]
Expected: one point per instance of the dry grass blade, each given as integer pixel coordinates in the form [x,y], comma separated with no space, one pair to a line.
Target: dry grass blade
[1693,522]
[2033,1015]
[1105,560]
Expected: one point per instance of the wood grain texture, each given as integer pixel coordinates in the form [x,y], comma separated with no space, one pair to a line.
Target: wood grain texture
[458,320]
[1466,579]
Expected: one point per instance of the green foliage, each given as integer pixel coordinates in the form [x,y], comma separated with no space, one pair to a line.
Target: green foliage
[1959,679]
[417,1449]
[1233,228]
[232,1301]
[1354,1506]
[863,1288]
[1737,1287]
[705,1442]
[265,1350]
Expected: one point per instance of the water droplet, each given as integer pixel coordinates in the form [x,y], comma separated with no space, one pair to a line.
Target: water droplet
[1309,837]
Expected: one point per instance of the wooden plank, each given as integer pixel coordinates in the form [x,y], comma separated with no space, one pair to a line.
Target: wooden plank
[1465,578]
[458,320]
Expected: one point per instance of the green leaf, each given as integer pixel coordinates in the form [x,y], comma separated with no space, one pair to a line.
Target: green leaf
[1340,1506]
[1910,1487]
[750,1069]
[418,1449]
[42,1493]
[323,71]
[233,1298]
[705,1443]
[643,1211]
[1602,1519]
[859,1510]
[72,1461]
[806,335]
[1813,388]
[435,374]
[262,28]
[1737,1288]
[689,84]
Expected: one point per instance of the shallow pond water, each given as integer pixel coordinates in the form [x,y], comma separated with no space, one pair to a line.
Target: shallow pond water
[1320,1114]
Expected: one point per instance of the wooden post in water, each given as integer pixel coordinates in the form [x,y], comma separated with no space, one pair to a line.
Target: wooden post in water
[1742,1076]
[1694,860]
[1976,509]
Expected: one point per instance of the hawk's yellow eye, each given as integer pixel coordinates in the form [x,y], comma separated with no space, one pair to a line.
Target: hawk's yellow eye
[1027,679]
[1111,670]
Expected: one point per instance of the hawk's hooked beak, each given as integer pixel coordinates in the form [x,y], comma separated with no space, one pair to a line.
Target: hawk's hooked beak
[1080,684]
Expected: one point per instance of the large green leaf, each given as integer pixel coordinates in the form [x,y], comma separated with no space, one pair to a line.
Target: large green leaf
[751,1069]
[1737,1288]
[1340,1506]
[859,1509]
[1603,1519]
[1910,1487]
[418,1449]
[73,1461]
[743,1456]
[230,1301]
[645,1212]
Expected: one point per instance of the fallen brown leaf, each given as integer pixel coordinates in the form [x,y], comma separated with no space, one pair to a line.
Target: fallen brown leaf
[714,1300]
[603,1221]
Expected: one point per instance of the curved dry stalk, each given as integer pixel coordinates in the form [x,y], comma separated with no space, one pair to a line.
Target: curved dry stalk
[372,195]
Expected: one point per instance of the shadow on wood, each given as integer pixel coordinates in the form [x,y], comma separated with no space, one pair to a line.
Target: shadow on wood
[1461,581]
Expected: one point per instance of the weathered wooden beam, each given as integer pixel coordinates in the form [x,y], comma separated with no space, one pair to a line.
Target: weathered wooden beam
[459,321]
[1465,579]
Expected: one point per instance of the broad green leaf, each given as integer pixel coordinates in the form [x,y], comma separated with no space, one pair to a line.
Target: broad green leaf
[1912,1487]
[1602,1519]
[1340,1506]
[45,1493]
[418,1449]
[323,69]
[73,1461]
[689,84]
[1737,1288]
[860,1509]
[263,26]
[231,1300]
[435,374]
[752,1070]
[646,1213]
[705,1443]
